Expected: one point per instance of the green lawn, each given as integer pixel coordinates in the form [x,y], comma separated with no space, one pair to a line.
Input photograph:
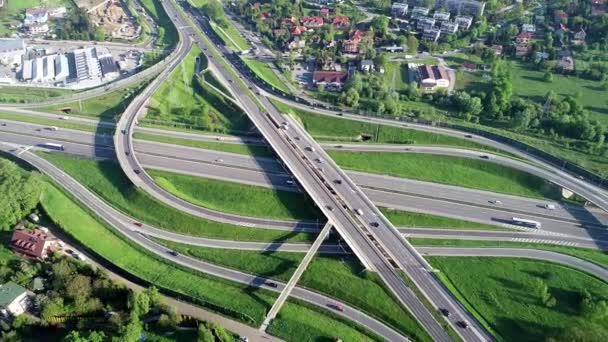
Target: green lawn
[231,36]
[56,122]
[265,72]
[396,75]
[106,179]
[340,277]
[167,33]
[10,94]
[310,324]
[402,218]
[184,100]
[208,77]
[327,128]
[470,173]
[504,293]
[238,198]
[108,107]
[592,255]
[245,303]
[250,150]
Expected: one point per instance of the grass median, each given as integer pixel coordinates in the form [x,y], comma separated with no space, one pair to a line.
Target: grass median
[238,198]
[592,255]
[465,172]
[12,94]
[265,72]
[56,122]
[524,300]
[245,149]
[402,218]
[106,179]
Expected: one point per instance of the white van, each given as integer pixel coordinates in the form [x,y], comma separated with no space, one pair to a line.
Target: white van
[549,206]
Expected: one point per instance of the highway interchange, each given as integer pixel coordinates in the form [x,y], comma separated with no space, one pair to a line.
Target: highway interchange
[386,248]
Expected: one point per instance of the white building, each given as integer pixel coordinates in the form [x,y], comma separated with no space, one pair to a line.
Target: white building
[431,34]
[366,65]
[528,28]
[419,12]
[441,16]
[13,299]
[87,64]
[399,9]
[464,22]
[425,23]
[11,51]
[448,27]
[62,69]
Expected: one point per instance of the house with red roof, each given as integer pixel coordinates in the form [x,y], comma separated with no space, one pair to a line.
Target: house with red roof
[36,243]
[523,38]
[329,79]
[340,21]
[312,22]
[298,30]
[324,12]
[289,21]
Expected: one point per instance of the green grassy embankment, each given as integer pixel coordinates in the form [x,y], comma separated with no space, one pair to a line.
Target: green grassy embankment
[58,123]
[106,179]
[10,94]
[238,198]
[251,150]
[167,32]
[519,299]
[265,72]
[402,218]
[466,172]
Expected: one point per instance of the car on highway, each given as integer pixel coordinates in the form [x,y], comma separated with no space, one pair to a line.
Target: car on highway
[319,160]
[338,181]
[309,148]
[172,252]
[374,224]
[337,307]
[445,312]
[462,324]
[468,136]
[64,118]
[329,207]
[137,171]
[359,212]
[3,124]
[484,156]
[498,202]
[127,153]
[139,224]
[289,181]
[549,206]
[53,128]
[271,284]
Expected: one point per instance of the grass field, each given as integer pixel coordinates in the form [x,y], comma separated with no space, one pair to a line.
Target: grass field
[231,36]
[107,107]
[238,198]
[470,173]
[592,255]
[309,323]
[401,218]
[167,33]
[265,72]
[250,150]
[396,75]
[58,123]
[270,264]
[504,294]
[10,94]
[75,221]
[208,77]
[183,100]
[341,278]
[327,128]
[105,178]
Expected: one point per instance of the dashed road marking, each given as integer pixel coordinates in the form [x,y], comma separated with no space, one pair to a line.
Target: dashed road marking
[552,242]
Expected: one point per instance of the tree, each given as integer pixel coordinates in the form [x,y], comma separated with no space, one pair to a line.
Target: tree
[139,302]
[380,24]
[350,98]
[412,44]
[153,295]
[19,193]
[204,334]
[548,77]
[79,288]
[381,60]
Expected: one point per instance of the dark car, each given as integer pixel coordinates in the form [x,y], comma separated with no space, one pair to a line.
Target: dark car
[468,136]
[137,172]
[338,181]
[127,153]
[330,208]
[338,307]
[484,156]
[271,284]
[375,224]
[174,253]
[445,312]
[138,224]
[462,324]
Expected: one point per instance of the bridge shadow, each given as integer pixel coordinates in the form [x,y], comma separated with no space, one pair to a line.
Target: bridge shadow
[595,228]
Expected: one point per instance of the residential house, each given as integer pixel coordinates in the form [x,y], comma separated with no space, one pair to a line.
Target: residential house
[36,15]
[441,16]
[579,37]
[566,63]
[432,77]
[431,34]
[36,243]
[296,44]
[332,80]
[38,28]
[392,48]
[366,65]
[312,22]
[523,38]
[539,19]
[13,299]
[11,51]
[291,21]
[463,21]
[350,45]
[340,21]
[298,30]
[399,9]
[324,12]
[425,23]
[448,27]
[419,12]
[522,50]
[528,28]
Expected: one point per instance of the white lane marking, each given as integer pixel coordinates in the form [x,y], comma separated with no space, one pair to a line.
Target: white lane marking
[553,242]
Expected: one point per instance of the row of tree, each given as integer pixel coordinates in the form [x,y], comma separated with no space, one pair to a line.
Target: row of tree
[19,193]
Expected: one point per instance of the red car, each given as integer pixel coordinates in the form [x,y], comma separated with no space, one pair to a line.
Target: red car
[338,307]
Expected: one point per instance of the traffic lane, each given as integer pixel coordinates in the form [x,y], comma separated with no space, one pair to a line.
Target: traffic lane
[481,215]
[519,237]
[69,147]
[125,228]
[270,165]
[559,258]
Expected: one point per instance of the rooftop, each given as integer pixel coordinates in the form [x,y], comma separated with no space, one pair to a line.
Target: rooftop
[9,292]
